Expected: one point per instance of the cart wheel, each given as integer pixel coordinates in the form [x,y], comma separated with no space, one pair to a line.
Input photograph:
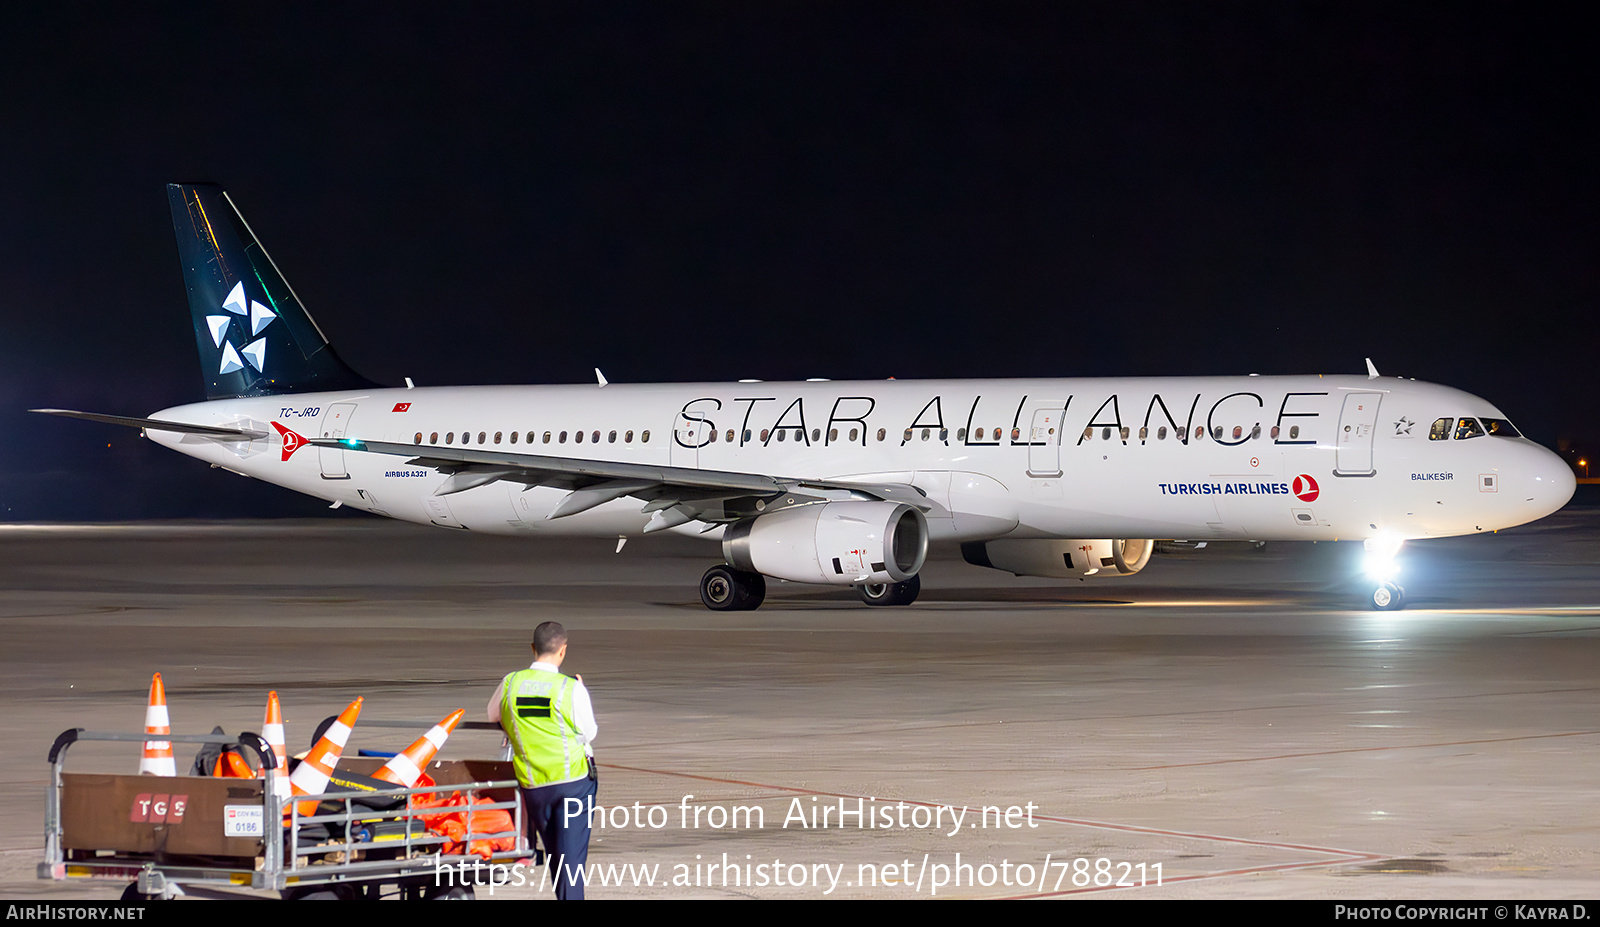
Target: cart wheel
[452,893]
[132,893]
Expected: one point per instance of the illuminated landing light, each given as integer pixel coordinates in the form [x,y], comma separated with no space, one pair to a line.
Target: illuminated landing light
[1380,562]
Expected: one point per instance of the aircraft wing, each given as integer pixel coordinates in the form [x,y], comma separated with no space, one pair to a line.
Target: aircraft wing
[152,424]
[680,494]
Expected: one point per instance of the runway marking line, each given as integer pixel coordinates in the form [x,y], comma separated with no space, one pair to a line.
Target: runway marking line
[1292,756]
[1342,857]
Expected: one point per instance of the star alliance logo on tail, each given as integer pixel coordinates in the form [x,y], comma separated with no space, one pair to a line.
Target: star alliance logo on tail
[253,318]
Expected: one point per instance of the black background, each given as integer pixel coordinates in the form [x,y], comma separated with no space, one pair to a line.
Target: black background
[713,191]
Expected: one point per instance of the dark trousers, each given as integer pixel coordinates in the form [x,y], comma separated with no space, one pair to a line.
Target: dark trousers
[566,842]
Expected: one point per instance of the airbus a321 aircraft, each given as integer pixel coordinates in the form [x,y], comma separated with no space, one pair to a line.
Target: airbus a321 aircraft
[841,483]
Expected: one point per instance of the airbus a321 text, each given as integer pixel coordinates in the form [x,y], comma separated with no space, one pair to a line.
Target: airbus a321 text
[841,483]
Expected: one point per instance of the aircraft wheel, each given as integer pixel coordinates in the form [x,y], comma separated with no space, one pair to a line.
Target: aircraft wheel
[724,589]
[1388,597]
[891,593]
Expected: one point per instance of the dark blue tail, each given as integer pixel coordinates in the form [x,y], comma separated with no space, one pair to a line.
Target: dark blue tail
[255,338]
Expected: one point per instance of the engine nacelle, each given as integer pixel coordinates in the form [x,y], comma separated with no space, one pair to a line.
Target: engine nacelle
[838,543]
[1063,558]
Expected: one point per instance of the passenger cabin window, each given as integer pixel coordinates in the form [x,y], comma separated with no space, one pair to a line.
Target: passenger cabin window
[419,438]
[497,437]
[611,438]
[1468,428]
[852,434]
[627,438]
[450,437]
[1294,432]
[881,434]
[433,438]
[481,436]
[513,437]
[1161,433]
[645,437]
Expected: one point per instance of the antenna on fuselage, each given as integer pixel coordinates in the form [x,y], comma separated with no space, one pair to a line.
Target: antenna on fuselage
[601,378]
[1372,372]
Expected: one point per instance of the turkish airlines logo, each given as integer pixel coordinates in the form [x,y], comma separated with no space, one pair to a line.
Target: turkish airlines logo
[293,442]
[1305,488]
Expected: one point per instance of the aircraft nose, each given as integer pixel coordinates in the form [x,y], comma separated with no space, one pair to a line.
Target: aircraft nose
[1549,483]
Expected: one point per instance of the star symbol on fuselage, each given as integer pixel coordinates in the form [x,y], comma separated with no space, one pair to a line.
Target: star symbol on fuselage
[1403,427]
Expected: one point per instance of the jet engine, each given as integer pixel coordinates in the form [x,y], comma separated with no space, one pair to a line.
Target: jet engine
[1063,558]
[838,543]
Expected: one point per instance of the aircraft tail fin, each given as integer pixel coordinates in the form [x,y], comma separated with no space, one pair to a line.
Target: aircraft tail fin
[255,337]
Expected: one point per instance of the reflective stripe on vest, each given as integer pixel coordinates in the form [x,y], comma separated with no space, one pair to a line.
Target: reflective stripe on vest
[536,714]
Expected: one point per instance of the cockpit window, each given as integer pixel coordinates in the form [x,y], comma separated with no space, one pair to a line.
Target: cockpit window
[1468,428]
[1499,427]
[1440,430]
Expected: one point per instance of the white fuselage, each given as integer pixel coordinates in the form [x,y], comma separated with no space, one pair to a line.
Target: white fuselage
[1276,458]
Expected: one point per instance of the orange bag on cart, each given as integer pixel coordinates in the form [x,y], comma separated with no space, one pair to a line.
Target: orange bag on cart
[452,825]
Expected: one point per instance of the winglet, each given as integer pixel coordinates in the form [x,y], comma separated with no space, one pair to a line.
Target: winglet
[1372,372]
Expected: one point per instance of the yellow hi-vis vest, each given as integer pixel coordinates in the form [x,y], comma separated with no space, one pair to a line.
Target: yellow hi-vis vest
[536,714]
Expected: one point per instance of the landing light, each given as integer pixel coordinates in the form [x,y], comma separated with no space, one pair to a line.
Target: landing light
[1380,562]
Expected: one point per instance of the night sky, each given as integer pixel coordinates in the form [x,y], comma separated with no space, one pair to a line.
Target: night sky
[708,192]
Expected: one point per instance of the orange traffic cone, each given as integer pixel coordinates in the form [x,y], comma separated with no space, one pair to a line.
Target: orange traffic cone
[406,767]
[157,759]
[272,733]
[311,776]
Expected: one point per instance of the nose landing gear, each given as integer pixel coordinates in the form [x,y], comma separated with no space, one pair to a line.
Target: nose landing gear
[1387,597]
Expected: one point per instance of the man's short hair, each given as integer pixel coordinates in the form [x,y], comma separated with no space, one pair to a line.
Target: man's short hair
[548,638]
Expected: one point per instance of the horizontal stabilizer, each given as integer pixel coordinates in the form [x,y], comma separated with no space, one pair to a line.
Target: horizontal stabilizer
[152,424]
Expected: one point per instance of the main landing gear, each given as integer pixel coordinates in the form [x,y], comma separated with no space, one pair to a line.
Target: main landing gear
[891,593]
[724,589]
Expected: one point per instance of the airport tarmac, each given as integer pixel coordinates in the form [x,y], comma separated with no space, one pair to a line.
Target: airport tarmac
[1228,720]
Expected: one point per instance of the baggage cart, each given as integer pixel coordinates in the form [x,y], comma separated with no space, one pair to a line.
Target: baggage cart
[168,835]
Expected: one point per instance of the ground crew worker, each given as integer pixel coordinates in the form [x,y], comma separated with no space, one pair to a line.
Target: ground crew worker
[550,723]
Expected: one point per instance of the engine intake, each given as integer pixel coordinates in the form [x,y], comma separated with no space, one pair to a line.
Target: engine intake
[837,543]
